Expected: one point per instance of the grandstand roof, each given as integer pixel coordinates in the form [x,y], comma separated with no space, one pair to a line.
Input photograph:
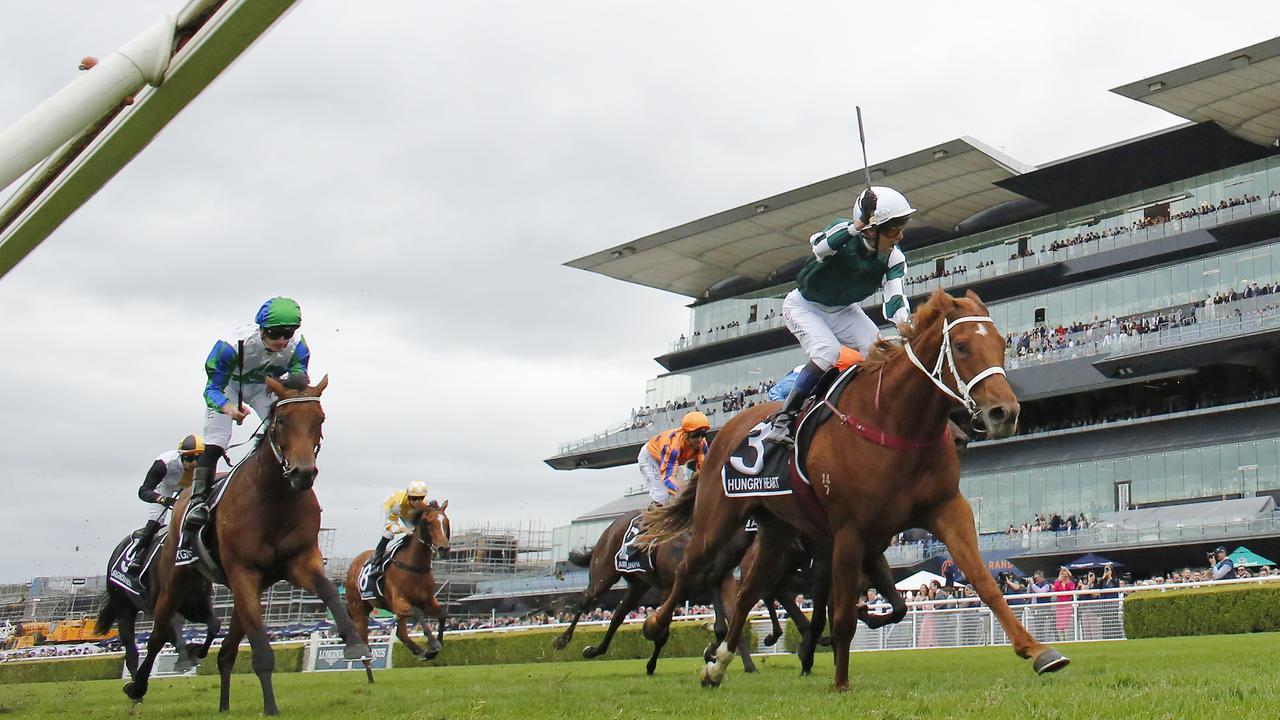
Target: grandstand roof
[748,245]
[1239,90]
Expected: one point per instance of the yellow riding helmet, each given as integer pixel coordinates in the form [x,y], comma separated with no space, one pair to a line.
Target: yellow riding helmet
[694,421]
[417,488]
[191,446]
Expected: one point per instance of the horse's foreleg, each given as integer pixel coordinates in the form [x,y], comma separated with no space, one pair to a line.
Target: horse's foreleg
[186,660]
[773,541]
[630,601]
[432,610]
[307,572]
[721,522]
[211,628]
[245,586]
[227,661]
[846,582]
[402,632]
[952,522]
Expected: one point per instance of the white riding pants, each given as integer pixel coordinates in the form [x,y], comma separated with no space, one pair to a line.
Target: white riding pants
[218,426]
[652,477]
[822,330]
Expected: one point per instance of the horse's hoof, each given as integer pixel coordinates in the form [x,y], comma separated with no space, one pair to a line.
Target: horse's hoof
[428,655]
[135,691]
[825,641]
[358,651]
[183,665]
[708,678]
[840,687]
[650,667]
[560,643]
[770,640]
[589,652]
[1050,661]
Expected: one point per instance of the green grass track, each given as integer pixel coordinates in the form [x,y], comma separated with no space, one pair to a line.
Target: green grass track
[1203,677]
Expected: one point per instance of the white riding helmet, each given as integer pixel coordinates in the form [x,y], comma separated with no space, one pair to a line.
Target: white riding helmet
[417,488]
[890,205]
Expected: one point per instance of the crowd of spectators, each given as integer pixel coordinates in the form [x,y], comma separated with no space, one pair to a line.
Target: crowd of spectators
[1053,522]
[1146,222]
[728,401]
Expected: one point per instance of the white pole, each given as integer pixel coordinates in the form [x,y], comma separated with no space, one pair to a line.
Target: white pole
[90,96]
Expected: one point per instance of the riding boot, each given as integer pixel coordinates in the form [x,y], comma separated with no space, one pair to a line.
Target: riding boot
[784,419]
[198,514]
[375,562]
[145,535]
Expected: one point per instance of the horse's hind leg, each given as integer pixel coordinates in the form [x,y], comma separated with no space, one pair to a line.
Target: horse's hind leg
[185,660]
[721,521]
[630,601]
[598,586]
[846,581]
[126,623]
[821,597]
[212,626]
[880,577]
[775,631]
[953,524]
[773,543]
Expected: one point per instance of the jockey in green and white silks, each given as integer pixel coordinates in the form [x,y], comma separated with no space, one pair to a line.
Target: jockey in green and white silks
[852,259]
[237,369]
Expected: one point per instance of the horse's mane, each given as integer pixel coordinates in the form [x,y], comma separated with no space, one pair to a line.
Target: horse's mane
[886,350]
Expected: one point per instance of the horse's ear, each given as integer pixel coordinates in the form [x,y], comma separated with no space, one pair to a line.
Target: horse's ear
[941,300]
[319,387]
[445,506]
[278,388]
[974,297]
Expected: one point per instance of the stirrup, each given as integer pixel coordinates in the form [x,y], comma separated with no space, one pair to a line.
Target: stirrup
[780,434]
[197,516]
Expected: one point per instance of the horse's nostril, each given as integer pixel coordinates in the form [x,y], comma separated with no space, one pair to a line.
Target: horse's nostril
[997,414]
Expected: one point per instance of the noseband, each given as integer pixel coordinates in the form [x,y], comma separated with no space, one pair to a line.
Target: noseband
[963,389]
[285,467]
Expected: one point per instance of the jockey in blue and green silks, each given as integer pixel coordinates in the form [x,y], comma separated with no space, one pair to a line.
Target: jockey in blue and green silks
[237,369]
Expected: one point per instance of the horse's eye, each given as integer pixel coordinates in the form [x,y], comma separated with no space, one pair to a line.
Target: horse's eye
[962,348]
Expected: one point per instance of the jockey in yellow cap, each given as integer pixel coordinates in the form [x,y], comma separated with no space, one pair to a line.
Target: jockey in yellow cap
[660,459]
[400,512]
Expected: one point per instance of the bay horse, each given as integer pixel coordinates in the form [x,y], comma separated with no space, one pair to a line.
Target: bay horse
[263,530]
[604,574]
[881,464]
[121,608]
[409,587]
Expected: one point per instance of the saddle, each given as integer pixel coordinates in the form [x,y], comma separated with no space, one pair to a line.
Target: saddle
[196,548]
[759,469]
[629,558]
[123,556]
[369,581]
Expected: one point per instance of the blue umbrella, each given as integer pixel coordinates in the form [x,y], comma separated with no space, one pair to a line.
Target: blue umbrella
[1090,561]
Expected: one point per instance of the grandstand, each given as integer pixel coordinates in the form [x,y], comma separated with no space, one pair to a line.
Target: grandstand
[1138,285]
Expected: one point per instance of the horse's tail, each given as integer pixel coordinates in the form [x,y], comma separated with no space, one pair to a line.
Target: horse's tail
[106,616]
[581,558]
[664,523]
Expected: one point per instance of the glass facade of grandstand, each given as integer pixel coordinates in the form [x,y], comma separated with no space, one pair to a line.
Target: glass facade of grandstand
[1208,473]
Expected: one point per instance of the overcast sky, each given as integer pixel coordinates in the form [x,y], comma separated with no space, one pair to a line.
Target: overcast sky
[415,173]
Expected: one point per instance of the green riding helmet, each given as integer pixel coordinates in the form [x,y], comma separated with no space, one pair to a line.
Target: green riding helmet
[279,312]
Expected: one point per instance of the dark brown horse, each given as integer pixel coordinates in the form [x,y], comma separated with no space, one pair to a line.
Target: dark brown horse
[409,585]
[121,608]
[881,465]
[263,530]
[717,580]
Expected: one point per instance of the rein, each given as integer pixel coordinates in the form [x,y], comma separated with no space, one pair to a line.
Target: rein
[882,438]
[416,569]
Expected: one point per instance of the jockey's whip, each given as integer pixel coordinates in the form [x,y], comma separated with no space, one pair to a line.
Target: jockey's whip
[868,208]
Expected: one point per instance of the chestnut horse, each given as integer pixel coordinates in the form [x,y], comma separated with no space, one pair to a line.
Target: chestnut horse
[263,530]
[883,463]
[409,585]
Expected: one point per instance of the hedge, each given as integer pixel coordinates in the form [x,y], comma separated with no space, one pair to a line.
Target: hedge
[1219,610]
[79,668]
[688,639]
[289,659]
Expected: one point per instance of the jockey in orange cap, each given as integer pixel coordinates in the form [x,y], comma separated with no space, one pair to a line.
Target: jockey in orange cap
[661,458]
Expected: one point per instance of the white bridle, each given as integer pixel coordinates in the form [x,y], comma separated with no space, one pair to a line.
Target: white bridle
[271,437]
[945,353]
